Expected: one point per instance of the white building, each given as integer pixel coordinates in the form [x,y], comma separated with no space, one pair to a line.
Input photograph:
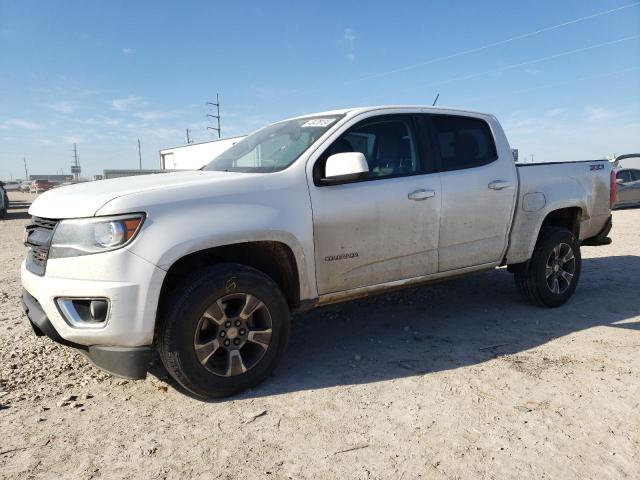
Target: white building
[194,155]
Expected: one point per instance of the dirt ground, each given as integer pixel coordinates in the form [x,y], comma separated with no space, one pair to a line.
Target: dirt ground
[458,380]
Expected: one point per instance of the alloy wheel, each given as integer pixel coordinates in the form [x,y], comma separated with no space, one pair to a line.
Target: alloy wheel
[560,268]
[233,334]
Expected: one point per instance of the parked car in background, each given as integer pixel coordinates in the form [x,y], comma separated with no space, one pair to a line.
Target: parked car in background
[66,184]
[25,186]
[628,160]
[628,180]
[39,186]
[11,186]
[4,202]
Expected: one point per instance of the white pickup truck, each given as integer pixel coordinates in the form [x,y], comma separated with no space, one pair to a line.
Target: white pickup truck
[207,266]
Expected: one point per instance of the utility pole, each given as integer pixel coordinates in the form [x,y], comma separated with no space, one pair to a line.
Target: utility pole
[139,154]
[75,168]
[26,172]
[188,139]
[217,105]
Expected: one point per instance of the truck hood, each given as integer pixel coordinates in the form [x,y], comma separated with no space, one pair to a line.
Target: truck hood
[85,199]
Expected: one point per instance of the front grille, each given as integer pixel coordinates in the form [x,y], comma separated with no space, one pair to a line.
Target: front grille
[39,235]
[45,223]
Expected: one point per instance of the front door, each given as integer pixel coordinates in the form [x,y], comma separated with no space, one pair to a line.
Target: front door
[382,227]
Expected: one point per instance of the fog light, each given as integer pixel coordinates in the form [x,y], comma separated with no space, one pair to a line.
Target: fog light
[84,312]
[98,310]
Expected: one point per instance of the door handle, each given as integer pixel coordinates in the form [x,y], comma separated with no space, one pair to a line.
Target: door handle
[499,185]
[420,195]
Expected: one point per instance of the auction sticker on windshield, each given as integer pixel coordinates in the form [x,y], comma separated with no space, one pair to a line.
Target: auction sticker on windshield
[319,122]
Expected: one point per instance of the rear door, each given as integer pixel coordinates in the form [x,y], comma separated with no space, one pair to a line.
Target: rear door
[478,192]
[382,227]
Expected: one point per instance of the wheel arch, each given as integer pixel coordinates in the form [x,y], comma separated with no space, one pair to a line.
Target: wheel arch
[566,217]
[527,231]
[275,259]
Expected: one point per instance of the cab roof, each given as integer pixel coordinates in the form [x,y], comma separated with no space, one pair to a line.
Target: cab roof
[358,110]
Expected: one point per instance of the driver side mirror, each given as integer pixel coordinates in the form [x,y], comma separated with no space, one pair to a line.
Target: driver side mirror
[345,166]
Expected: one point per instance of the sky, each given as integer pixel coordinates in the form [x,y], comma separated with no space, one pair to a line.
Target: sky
[562,77]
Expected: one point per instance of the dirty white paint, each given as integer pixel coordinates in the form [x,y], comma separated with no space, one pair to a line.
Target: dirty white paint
[571,184]
[347,240]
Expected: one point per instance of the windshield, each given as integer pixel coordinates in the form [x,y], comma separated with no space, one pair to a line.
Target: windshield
[273,148]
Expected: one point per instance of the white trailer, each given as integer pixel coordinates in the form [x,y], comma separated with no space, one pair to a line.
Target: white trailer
[195,155]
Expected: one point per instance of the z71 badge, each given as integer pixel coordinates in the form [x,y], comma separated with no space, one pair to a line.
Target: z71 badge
[598,166]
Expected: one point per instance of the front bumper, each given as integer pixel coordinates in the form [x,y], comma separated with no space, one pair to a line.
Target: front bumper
[126,362]
[130,283]
[122,345]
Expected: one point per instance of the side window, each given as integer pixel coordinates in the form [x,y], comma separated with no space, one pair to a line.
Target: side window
[388,143]
[624,175]
[635,175]
[464,142]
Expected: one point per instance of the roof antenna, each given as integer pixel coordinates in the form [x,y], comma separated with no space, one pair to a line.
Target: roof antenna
[434,102]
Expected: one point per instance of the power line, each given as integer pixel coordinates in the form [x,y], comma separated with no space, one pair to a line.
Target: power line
[474,50]
[557,84]
[526,63]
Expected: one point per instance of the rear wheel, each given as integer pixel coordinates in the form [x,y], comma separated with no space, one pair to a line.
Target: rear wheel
[224,330]
[552,274]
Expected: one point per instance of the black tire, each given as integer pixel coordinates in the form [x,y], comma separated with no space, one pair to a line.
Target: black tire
[541,282]
[185,318]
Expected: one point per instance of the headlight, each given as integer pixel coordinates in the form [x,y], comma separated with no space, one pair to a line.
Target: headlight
[85,236]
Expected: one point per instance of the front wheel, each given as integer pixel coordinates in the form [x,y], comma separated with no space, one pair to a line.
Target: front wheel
[552,274]
[223,330]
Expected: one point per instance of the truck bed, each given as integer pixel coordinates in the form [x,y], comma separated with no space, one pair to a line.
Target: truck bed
[533,164]
[545,187]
